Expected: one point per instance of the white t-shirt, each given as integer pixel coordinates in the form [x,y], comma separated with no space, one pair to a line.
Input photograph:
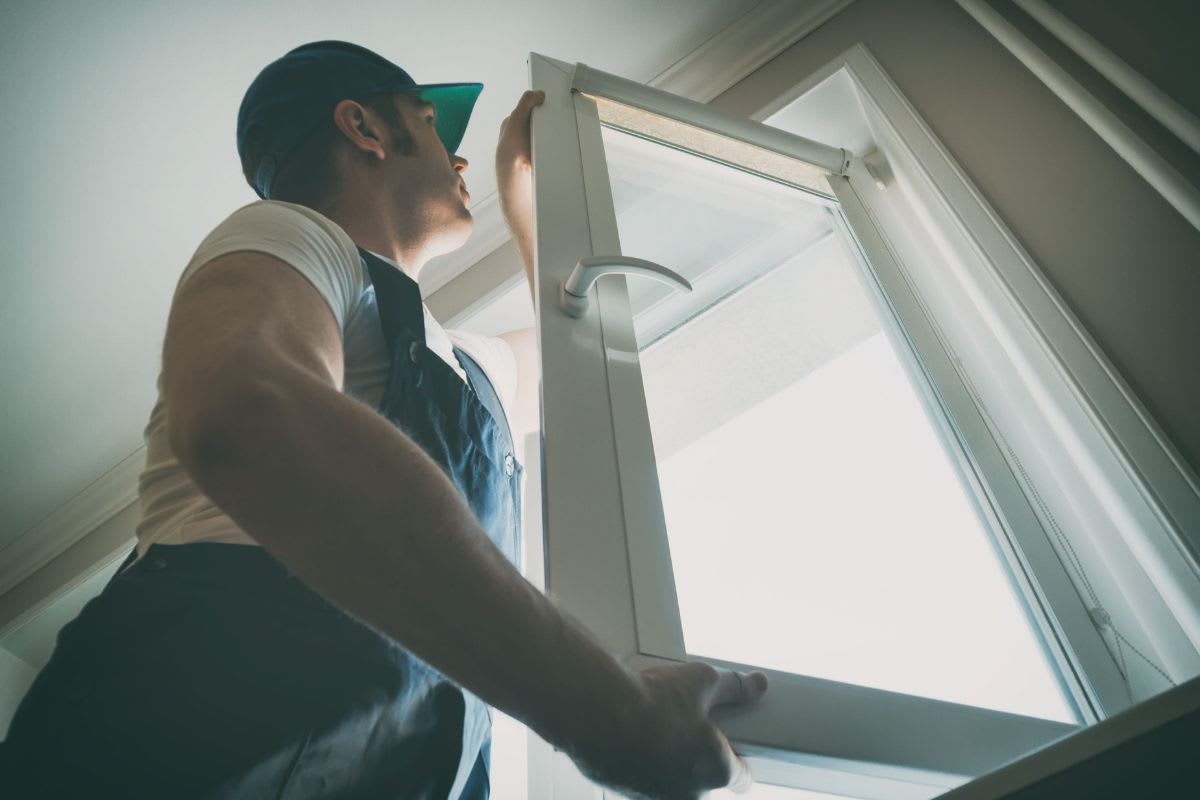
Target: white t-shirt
[174,510]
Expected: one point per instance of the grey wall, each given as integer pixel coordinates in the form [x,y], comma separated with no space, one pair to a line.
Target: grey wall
[1157,38]
[1123,259]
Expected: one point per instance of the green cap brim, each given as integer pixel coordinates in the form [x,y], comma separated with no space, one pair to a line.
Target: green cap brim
[454,103]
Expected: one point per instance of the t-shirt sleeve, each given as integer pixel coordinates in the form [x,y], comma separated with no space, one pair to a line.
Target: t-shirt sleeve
[309,242]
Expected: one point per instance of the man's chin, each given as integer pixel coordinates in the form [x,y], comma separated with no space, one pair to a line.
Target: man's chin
[467,224]
[456,234]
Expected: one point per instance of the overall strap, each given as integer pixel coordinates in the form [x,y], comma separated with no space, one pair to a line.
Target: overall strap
[486,393]
[398,299]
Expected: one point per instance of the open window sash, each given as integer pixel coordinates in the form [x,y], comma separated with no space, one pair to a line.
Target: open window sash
[606,550]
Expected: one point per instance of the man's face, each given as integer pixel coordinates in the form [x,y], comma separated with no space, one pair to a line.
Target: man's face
[428,181]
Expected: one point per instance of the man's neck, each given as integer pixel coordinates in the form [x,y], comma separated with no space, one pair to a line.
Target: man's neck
[372,229]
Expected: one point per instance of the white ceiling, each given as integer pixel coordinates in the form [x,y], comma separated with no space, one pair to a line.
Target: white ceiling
[117,156]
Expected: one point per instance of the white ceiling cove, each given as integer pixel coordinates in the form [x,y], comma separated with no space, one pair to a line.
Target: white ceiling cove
[117,157]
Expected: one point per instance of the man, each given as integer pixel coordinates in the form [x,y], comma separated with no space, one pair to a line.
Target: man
[323,597]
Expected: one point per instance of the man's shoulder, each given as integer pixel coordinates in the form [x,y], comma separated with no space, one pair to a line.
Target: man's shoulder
[280,224]
[301,237]
[275,216]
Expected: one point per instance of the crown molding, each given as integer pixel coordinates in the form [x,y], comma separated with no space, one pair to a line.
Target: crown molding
[87,510]
[744,46]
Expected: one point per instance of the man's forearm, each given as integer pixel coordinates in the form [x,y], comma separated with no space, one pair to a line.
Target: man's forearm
[514,176]
[360,513]
[516,202]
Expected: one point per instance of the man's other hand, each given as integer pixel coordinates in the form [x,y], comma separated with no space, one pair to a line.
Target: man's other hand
[670,748]
[514,164]
[514,176]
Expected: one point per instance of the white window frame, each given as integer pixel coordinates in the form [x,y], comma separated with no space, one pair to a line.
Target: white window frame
[606,557]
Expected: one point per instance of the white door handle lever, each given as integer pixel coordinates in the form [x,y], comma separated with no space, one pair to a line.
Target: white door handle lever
[575,289]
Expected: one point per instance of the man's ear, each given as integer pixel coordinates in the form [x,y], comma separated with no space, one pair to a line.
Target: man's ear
[361,130]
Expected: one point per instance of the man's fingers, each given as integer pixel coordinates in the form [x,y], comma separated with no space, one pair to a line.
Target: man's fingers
[738,687]
[519,118]
[526,104]
[531,98]
[741,779]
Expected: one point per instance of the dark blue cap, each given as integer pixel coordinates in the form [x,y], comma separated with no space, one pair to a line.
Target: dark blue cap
[292,96]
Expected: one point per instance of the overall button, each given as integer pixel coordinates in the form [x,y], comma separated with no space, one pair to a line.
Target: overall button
[414,352]
[509,464]
[156,563]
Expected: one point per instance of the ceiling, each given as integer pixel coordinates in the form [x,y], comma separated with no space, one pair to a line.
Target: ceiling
[117,157]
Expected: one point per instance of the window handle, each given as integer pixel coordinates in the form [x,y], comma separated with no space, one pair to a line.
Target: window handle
[574,295]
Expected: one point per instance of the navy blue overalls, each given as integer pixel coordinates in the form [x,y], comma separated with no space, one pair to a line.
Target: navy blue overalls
[208,670]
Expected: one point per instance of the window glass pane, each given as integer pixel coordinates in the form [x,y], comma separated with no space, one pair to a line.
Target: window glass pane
[816,522]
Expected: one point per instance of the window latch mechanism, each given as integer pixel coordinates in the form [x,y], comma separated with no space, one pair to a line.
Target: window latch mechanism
[575,289]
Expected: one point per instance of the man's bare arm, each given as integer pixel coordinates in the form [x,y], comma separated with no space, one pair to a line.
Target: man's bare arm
[514,180]
[252,376]
[514,177]
[252,370]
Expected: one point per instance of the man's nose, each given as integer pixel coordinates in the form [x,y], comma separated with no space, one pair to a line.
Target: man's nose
[460,163]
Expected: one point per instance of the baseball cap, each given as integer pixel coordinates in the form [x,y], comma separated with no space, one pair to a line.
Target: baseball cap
[293,94]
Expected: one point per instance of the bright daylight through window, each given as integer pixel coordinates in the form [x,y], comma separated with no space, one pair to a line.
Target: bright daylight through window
[817,522]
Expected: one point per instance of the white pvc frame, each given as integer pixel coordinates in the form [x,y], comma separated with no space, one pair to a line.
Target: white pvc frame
[606,548]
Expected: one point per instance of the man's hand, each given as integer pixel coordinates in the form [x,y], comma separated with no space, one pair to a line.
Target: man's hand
[514,175]
[513,156]
[669,747]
